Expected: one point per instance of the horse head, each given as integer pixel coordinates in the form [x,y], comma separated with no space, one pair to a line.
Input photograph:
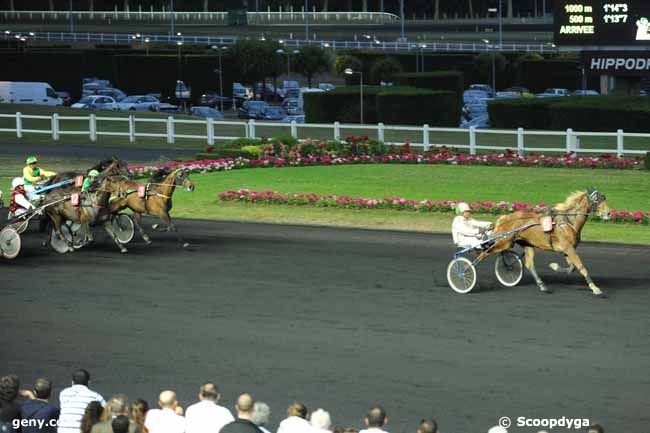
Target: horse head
[598,203]
[182,178]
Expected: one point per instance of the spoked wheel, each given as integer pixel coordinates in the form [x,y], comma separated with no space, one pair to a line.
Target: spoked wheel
[20,226]
[123,227]
[61,245]
[461,275]
[509,268]
[9,243]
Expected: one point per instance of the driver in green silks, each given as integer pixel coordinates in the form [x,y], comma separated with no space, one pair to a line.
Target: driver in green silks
[92,175]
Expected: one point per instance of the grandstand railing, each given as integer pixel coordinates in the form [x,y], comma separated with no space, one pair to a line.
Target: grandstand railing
[141,38]
[262,17]
[210,132]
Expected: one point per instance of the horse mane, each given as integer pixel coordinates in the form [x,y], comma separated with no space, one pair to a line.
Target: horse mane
[101,165]
[571,201]
[160,175]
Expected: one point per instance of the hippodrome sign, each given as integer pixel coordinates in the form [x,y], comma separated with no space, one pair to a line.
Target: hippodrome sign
[631,63]
[602,23]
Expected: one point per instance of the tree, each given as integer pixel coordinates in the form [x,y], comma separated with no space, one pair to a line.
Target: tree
[251,59]
[312,61]
[346,61]
[385,69]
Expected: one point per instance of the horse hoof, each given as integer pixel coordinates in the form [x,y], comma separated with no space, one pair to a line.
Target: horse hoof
[186,245]
[155,226]
[124,250]
[148,241]
[602,295]
[554,266]
[546,290]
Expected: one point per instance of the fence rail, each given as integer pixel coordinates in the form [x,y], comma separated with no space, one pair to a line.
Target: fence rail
[144,39]
[210,131]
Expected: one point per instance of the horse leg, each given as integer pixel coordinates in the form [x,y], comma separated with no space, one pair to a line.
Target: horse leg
[172,228]
[56,223]
[572,256]
[137,218]
[111,233]
[529,262]
[557,268]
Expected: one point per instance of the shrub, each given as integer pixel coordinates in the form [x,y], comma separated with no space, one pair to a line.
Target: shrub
[647,160]
[287,140]
[241,142]
[520,113]
[385,70]
[418,107]
[347,61]
[226,153]
[437,80]
[254,151]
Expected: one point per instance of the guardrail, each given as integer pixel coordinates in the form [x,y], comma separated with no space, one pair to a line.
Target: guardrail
[140,38]
[263,17]
[210,131]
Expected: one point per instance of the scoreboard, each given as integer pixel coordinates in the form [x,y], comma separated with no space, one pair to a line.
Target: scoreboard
[602,22]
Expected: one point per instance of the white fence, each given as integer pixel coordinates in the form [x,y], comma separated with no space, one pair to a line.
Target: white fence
[210,131]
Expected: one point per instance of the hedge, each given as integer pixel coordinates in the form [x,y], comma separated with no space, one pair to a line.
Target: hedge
[439,80]
[418,107]
[226,153]
[590,113]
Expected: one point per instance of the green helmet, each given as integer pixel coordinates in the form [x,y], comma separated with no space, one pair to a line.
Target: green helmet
[31,159]
[93,173]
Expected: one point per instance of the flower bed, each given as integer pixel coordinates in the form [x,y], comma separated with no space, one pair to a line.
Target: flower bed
[448,157]
[395,203]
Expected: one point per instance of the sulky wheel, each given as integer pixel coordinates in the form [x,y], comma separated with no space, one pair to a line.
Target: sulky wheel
[461,275]
[123,227]
[508,268]
[61,245]
[9,243]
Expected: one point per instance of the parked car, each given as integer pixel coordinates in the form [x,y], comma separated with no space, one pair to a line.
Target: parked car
[96,102]
[116,94]
[477,122]
[206,112]
[585,93]
[470,96]
[139,102]
[326,86]
[292,92]
[239,91]
[167,107]
[523,91]
[508,95]
[554,92]
[292,107]
[268,90]
[272,112]
[213,99]
[95,80]
[65,97]
[483,87]
[251,109]
[28,92]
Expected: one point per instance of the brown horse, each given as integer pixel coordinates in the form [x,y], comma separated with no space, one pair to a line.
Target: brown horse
[108,167]
[157,200]
[568,219]
[92,209]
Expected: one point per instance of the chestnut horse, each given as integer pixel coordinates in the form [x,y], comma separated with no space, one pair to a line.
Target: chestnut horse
[92,209]
[568,219]
[157,200]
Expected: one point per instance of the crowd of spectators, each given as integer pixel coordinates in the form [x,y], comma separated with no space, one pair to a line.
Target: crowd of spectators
[83,410]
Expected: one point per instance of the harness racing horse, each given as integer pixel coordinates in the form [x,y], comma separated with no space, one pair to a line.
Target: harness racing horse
[92,209]
[108,167]
[157,200]
[568,219]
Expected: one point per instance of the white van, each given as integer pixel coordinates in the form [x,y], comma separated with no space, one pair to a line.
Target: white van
[24,92]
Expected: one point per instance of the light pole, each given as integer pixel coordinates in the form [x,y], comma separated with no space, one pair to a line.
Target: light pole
[220,70]
[349,71]
[494,69]
[306,20]
[171,9]
[71,19]
[179,44]
[146,45]
[401,12]
[422,47]
[288,54]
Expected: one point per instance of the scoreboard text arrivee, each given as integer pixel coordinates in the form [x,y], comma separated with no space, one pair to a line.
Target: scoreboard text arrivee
[598,22]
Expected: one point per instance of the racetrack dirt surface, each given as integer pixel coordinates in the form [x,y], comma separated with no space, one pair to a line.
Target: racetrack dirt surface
[340,319]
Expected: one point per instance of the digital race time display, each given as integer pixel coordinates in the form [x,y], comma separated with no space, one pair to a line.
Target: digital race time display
[594,22]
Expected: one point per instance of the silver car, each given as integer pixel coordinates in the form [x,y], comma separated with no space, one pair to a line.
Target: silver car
[96,102]
[139,102]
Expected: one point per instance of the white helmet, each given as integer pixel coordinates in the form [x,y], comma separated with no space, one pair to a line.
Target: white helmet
[16,182]
[463,207]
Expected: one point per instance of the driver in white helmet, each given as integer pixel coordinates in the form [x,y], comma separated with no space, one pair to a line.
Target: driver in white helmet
[466,231]
[19,203]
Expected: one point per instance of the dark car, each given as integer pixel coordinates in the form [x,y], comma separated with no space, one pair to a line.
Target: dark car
[65,96]
[251,109]
[272,113]
[206,112]
[215,100]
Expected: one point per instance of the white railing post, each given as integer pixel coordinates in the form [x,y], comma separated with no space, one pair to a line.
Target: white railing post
[170,130]
[472,140]
[294,129]
[337,131]
[210,125]
[521,150]
[246,131]
[620,138]
[131,128]
[251,128]
[19,124]
[55,127]
[425,137]
[92,127]
[569,140]
[380,132]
